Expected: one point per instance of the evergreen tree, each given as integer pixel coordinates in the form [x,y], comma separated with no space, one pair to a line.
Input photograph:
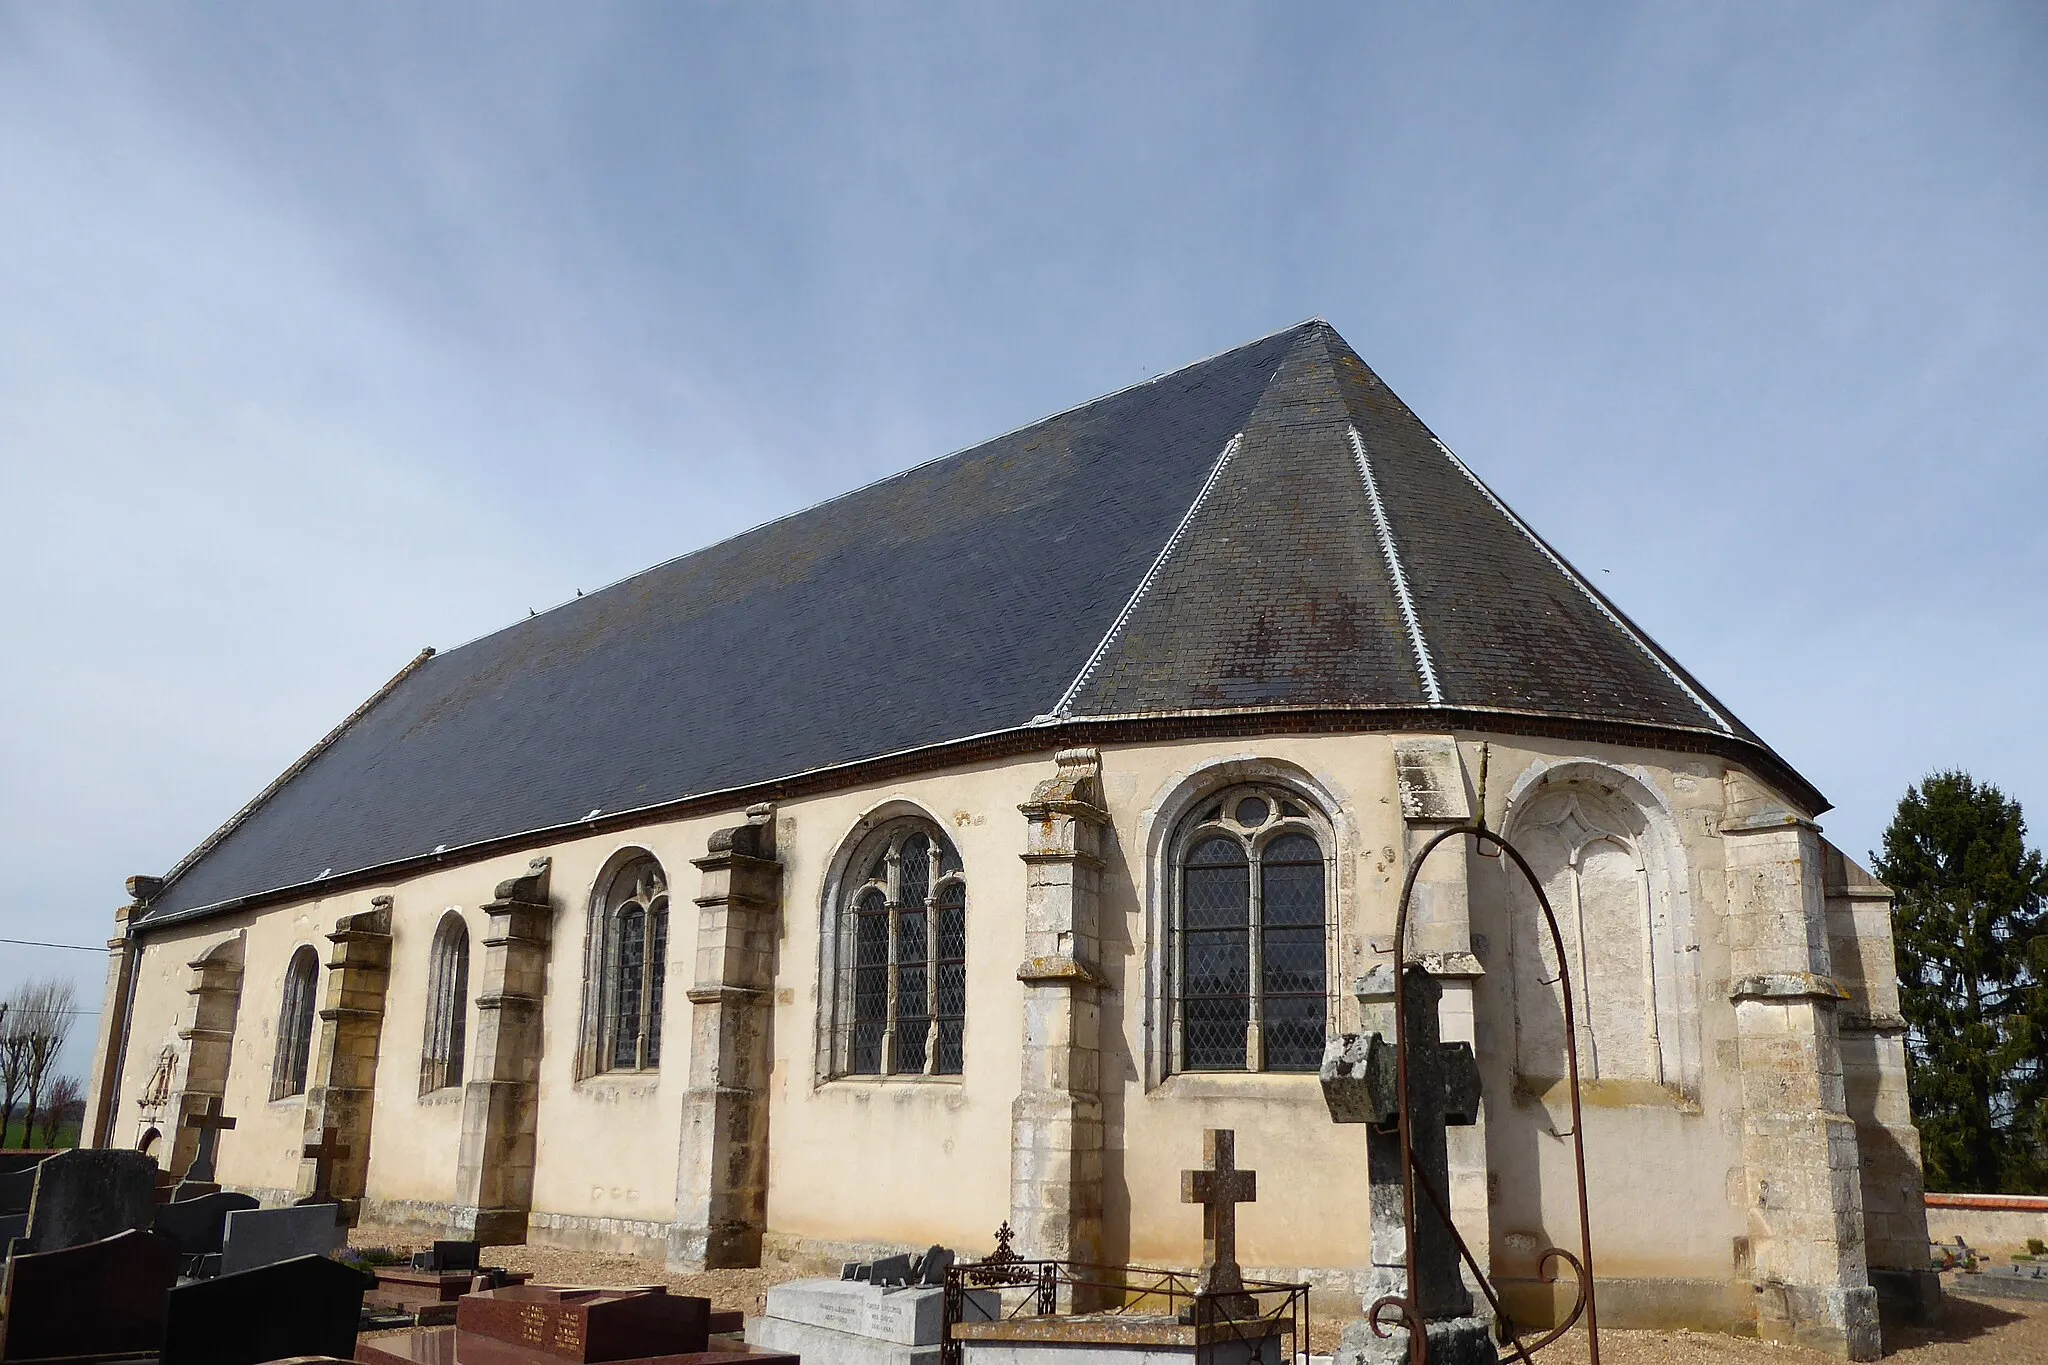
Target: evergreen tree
[1971,926]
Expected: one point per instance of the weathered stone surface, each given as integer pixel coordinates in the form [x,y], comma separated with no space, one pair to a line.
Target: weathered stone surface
[906,1317]
[84,1196]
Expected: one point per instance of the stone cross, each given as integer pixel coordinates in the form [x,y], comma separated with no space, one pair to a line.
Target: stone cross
[211,1123]
[1219,1190]
[324,1154]
[1361,1085]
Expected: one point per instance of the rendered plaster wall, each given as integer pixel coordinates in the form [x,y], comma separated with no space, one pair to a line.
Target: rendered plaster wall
[1664,1161]
[861,1161]
[414,1136]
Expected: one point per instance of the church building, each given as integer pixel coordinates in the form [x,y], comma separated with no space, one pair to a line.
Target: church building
[959,849]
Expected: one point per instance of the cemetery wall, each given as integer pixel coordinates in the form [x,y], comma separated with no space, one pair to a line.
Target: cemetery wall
[1994,1223]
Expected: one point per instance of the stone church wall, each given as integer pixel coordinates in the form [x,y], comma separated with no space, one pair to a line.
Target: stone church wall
[1636,849]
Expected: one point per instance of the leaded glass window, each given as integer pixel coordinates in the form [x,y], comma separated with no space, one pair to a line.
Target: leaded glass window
[902,944]
[447,1006]
[1248,955]
[635,958]
[295,1025]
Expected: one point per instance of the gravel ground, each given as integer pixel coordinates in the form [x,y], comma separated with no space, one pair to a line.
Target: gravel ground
[1976,1331]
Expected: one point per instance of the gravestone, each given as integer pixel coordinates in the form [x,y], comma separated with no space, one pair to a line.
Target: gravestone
[303,1307]
[102,1298]
[16,1189]
[260,1237]
[1219,1190]
[448,1257]
[585,1325]
[1361,1084]
[196,1226]
[211,1123]
[849,1322]
[89,1195]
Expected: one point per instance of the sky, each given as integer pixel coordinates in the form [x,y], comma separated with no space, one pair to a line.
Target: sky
[332,331]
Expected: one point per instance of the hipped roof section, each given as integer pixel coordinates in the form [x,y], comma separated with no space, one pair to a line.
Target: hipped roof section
[1270,529]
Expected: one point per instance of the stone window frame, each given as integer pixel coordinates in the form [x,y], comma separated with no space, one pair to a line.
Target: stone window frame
[885,828]
[1651,833]
[623,886]
[1180,798]
[444,1042]
[298,1006]
[1288,812]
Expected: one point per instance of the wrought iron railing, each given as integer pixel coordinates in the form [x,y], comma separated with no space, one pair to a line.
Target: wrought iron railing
[1265,1308]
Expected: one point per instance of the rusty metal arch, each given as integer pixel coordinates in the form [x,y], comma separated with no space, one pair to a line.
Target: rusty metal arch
[1404,1305]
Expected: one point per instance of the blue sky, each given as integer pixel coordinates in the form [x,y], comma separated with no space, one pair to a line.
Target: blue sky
[328,332]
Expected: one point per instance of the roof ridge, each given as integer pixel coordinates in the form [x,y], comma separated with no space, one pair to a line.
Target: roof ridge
[1392,554]
[1578,580]
[855,491]
[1062,710]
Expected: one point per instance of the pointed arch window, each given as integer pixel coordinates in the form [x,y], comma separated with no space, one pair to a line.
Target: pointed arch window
[901,999]
[447,1006]
[295,1025]
[635,962]
[1248,942]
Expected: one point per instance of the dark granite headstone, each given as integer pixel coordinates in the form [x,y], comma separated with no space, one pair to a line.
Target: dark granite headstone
[12,1225]
[932,1268]
[890,1270]
[102,1298]
[306,1307]
[196,1226]
[90,1194]
[585,1325]
[447,1257]
[260,1237]
[16,1188]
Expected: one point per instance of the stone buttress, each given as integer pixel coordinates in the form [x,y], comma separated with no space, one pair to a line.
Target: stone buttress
[343,1092]
[722,1168]
[1802,1177]
[501,1100]
[1056,1130]
[1873,1041]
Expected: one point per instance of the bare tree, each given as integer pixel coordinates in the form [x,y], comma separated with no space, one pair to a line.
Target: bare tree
[63,1103]
[46,1007]
[13,1060]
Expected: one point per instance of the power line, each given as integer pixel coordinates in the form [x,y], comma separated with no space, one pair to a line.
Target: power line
[38,943]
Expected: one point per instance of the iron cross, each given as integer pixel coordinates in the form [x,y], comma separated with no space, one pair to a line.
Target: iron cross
[1219,1190]
[211,1123]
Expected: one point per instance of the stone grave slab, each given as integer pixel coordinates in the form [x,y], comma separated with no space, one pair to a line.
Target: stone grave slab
[438,1346]
[260,1237]
[1120,1339]
[101,1298]
[848,1322]
[586,1325]
[303,1307]
[197,1226]
[401,1287]
[89,1195]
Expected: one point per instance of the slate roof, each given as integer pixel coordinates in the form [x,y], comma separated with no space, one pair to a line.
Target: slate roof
[1269,528]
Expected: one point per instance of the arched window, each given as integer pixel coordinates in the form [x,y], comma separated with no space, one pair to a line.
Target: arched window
[901,998]
[634,957]
[295,1024]
[447,1006]
[1248,937]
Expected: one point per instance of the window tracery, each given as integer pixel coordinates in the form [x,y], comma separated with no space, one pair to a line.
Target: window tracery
[634,958]
[901,996]
[295,1025]
[1248,945]
[441,1057]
